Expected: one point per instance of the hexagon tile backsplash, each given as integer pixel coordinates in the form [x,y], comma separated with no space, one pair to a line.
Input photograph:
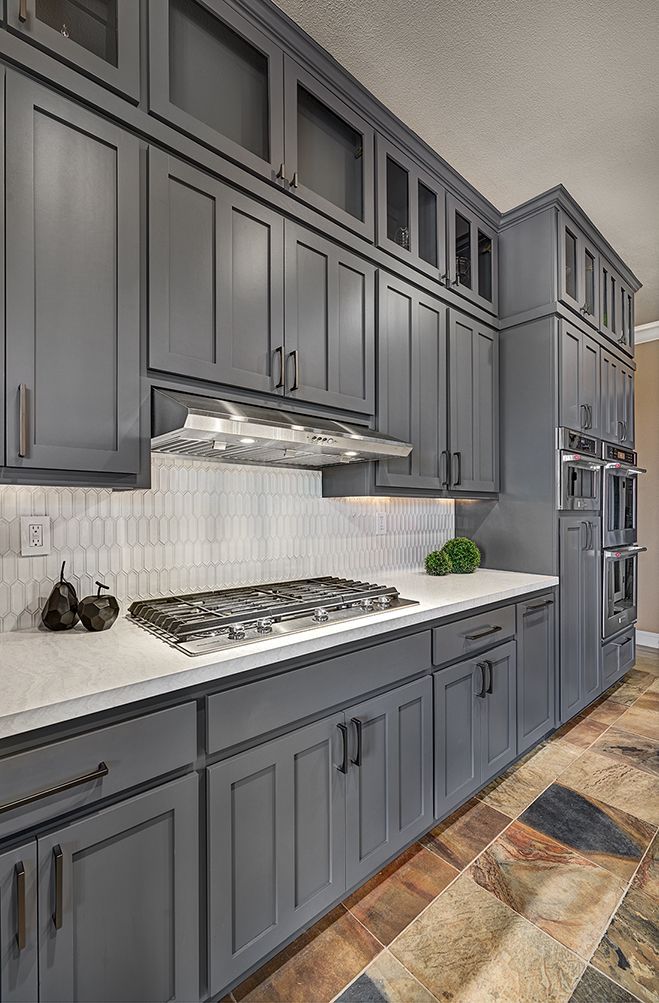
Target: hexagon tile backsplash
[206,526]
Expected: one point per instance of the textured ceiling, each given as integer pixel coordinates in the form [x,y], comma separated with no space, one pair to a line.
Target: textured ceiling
[519,95]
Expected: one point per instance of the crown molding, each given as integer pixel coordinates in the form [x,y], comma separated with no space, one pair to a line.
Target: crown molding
[646,332]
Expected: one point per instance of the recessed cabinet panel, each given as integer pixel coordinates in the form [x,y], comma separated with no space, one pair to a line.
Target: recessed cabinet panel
[536,671]
[72,309]
[472,256]
[457,734]
[499,710]
[215,76]
[215,278]
[18,924]
[580,595]
[473,416]
[100,37]
[580,380]
[329,151]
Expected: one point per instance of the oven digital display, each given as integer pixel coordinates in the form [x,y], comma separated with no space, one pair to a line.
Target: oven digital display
[619,455]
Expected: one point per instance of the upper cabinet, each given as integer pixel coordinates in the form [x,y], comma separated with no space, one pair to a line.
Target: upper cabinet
[616,307]
[99,37]
[579,270]
[410,211]
[472,256]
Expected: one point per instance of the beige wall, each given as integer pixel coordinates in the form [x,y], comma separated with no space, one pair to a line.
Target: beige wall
[647,444]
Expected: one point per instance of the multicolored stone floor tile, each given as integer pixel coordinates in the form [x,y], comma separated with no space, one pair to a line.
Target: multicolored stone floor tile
[461,837]
[543,856]
[601,833]
[558,890]
[387,903]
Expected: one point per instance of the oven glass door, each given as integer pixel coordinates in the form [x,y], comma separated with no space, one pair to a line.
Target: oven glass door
[580,484]
[619,507]
[620,581]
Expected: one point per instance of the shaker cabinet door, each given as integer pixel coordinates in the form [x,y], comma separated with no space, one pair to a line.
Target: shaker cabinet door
[499,721]
[18,924]
[473,394]
[215,280]
[579,381]
[72,293]
[472,252]
[119,902]
[580,624]
[536,671]
[458,692]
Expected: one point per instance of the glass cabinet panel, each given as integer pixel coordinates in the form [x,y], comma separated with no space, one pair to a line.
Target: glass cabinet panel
[570,264]
[612,300]
[217,77]
[605,297]
[427,214]
[589,292]
[329,154]
[624,332]
[463,250]
[398,204]
[90,23]
[485,265]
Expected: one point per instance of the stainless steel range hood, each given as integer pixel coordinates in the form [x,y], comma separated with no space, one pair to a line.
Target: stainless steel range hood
[188,425]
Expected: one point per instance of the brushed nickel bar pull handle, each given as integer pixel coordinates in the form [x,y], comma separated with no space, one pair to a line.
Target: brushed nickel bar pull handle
[22,11]
[295,385]
[58,858]
[538,605]
[483,633]
[279,352]
[23,418]
[21,935]
[281,173]
[102,770]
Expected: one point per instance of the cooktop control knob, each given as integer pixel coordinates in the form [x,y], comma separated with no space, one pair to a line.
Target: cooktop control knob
[366,603]
[264,626]
[321,615]
[383,601]
[237,631]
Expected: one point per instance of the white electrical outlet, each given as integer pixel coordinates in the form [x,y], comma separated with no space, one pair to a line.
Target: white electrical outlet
[380,524]
[35,535]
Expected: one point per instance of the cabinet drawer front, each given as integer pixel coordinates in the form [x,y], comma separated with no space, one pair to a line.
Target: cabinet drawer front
[475,633]
[618,656]
[244,713]
[133,752]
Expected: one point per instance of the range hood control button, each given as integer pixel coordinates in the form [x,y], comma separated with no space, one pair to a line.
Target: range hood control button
[237,631]
[264,626]
[321,615]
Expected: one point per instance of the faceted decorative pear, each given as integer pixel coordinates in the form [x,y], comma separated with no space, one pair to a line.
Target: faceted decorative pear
[98,612]
[60,611]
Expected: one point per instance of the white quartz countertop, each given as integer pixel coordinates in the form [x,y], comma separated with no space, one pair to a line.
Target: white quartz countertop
[47,677]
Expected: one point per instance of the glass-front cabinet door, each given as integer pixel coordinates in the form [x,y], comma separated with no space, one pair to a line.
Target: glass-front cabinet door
[329,152]
[472,255]
[616,317]
[580,273]
[625,316]
[410,211]
[215,76]
[100,37]
[590,266]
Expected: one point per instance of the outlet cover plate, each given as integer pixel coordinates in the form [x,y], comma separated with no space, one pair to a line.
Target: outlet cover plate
[35,535]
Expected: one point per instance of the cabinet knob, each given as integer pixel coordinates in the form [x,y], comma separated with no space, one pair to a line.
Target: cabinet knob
[22,11]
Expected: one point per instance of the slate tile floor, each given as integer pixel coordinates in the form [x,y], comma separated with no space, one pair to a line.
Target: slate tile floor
[543,889]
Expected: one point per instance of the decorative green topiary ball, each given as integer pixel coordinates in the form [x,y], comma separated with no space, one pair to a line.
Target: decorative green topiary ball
[463,554]
[438,563]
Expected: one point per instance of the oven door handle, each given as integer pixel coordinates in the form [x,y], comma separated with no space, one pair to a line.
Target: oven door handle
[588,462]
[623,470]
[617,552]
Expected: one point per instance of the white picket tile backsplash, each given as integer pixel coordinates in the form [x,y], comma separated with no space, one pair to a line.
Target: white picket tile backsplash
[204,525]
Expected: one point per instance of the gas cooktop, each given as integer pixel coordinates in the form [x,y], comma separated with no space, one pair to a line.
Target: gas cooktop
[212,621]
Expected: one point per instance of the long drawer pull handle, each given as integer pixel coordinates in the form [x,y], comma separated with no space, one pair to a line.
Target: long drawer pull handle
[483,633]
[22,11]
[58,858]
[21,936]
[101,771]
[357,761]
[23,419]
[343,765]
[538,605]
[621,644]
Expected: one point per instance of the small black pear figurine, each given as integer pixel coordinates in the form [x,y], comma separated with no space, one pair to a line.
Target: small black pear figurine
[98,612]
[61,609]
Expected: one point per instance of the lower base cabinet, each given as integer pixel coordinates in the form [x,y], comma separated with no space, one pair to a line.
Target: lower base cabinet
[536,671]
[19,974]
[118,902]
[580,558]
[475,724]
[618,657]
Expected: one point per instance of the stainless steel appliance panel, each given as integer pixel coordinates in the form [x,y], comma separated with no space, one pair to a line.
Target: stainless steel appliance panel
[620,588]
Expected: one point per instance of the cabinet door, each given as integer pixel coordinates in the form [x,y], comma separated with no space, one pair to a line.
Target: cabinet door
[580,606]
[625,397]
[624,311]
[536,671]
[18,924]
[329,151]
[119,901]
[215,280]
[72,310]
[590,270]
[276,844]
[412,384]
[330,323]
[389,782]
[100,37]
[200,50]
[579,386]
[410,211]
[608,299]
[458,692]
[610,423]
[499,718]
[472,253]
[473,395]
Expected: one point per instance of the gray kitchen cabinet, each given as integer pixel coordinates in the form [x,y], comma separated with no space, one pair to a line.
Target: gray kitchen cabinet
[616,307]
[580,601]
[625,314]
[389,798]
[618,657]
[200,51]
[118,901]
[579,381]
[215,280]
[473,382]
[329,159]
[475,724]
[412,384]
[579,270]
[411,210]
[276,843]
[329,323]
[72,294]
[536,671]
[617,400]
[626,409]
[18,924]
[472,253]
[99,37]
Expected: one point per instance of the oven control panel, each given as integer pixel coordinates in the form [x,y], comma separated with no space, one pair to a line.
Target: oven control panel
[616,454]
[576,442]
